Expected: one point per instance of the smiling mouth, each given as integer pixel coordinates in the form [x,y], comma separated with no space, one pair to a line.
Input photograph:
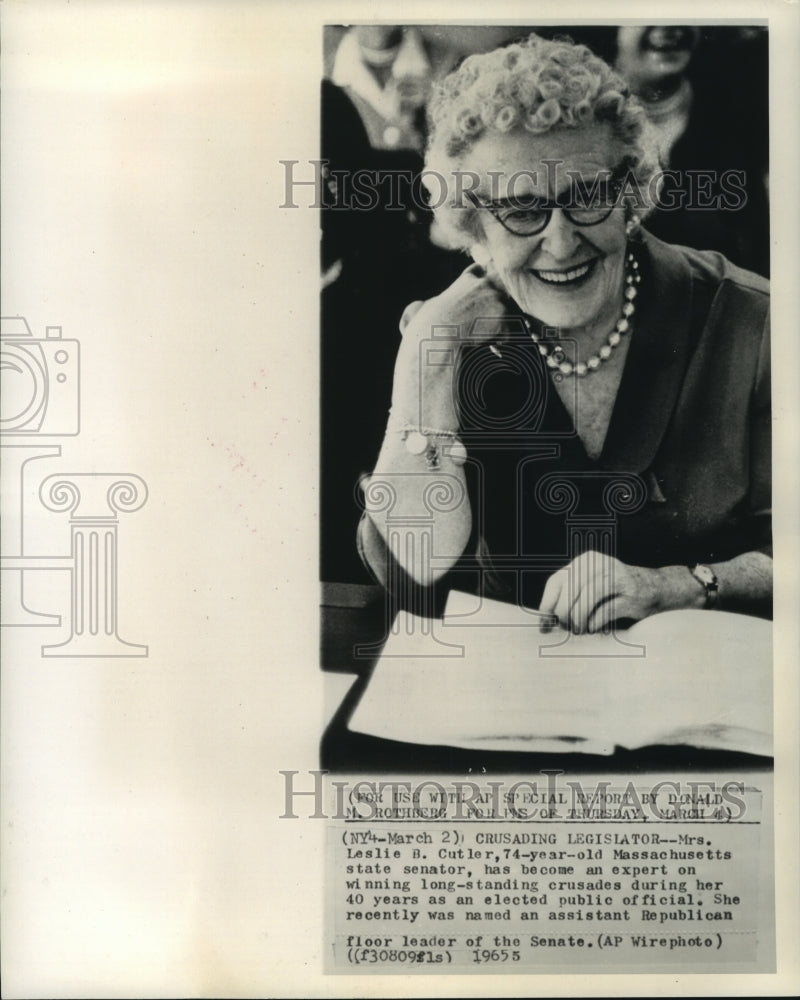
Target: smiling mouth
[574,276]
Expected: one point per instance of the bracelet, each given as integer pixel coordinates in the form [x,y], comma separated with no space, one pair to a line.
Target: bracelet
[422,441]
[406,428]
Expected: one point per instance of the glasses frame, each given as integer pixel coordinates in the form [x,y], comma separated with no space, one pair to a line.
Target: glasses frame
[617,179]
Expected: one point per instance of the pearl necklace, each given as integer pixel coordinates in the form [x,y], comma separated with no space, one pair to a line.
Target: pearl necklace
[556,358]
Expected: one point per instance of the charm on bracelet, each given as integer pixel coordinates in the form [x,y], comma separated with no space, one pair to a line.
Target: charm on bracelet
[422,441]
[416,442]
[432,456]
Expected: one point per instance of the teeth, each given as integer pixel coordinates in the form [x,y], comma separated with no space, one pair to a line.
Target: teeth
[559,277]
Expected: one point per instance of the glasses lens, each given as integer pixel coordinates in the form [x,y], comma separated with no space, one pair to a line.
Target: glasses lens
[588,216]
[523,220]
[590,204]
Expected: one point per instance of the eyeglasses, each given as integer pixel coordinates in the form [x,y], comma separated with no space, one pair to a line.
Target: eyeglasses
[585,205]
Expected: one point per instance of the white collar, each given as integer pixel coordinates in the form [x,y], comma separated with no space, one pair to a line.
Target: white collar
[350,71]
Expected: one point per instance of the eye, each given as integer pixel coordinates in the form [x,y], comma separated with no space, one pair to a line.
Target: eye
[526,210]
[521,214]
[600,194]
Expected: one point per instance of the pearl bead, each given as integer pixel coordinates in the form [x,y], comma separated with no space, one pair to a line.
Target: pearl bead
[593,362]
[628,309]
[552,363]
[580,368]
[605,352]
[622,325]
[613,338]
[630,293]
[565,367]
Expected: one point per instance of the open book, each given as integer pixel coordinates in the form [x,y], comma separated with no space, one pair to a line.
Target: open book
[485,676]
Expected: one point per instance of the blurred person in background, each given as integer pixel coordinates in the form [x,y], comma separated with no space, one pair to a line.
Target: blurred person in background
[705,92]
[374,256]
[387,72]
[388,69]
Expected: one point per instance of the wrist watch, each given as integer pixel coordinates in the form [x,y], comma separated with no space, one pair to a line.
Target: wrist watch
[706,576]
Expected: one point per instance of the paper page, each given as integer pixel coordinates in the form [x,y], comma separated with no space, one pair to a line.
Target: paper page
[713,682]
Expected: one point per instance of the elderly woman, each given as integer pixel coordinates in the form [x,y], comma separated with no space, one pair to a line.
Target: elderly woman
[581,421]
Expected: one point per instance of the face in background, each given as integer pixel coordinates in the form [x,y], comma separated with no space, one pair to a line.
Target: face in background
[379,37]
[654,59]
[567,276]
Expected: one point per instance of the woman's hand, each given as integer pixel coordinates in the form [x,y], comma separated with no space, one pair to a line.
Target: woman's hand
[473,294]
[434,333]
[594,590]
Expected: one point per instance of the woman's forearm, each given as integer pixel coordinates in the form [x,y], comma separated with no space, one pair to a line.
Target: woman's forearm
[423,515]
[594,590]
[417,494]
[745,585]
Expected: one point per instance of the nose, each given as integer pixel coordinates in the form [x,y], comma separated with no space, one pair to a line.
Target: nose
[559,238]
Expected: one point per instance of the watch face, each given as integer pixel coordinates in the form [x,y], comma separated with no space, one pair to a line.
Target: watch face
[706,576]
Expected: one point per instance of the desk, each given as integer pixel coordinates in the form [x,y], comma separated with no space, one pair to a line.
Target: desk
[355,615]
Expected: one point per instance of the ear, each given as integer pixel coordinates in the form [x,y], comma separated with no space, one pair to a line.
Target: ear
[480,254]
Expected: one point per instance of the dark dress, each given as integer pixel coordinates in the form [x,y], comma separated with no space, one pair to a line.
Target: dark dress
[684,473]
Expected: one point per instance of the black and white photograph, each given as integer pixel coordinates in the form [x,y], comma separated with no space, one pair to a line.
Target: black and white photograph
[398,494]
[545,384]
[546,494]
